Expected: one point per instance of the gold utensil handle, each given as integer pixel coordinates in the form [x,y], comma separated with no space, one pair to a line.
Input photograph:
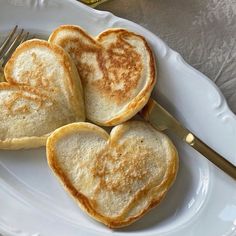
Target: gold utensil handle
[163,120]
[211,155]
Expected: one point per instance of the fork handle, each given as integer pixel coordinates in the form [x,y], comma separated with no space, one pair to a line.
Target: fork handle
[211,155]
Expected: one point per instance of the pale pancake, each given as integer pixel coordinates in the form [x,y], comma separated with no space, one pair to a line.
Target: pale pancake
[117,178]
[43,92]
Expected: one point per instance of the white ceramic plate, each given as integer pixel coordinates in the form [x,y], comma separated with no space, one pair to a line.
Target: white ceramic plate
[203,199]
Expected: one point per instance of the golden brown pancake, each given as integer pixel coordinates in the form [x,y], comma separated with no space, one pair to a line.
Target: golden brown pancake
[117,70]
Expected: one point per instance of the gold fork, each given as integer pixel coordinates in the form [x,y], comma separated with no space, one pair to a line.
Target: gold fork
[162,120]
[8,46]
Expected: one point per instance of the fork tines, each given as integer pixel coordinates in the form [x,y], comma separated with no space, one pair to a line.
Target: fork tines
[14,38]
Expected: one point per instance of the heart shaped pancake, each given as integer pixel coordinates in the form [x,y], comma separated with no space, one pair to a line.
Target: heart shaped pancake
[117,70]
[116,179]
[42,93]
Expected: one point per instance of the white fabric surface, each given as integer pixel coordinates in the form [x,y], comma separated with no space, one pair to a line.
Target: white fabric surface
[202,31]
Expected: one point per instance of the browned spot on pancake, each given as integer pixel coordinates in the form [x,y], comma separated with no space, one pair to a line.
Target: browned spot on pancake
[120,64]
[122,168]
[13,109]
[85,70]
[37,75]
[122,73]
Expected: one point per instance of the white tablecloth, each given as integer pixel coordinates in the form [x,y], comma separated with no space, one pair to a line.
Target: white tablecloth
[202,31]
